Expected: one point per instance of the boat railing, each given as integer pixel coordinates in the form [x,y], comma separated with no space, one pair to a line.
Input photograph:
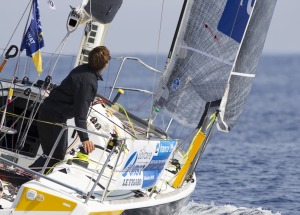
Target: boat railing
[123,59]
[90,193]
[40,175]
[79,191]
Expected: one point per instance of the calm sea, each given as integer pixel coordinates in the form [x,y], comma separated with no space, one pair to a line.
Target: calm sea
[254,169]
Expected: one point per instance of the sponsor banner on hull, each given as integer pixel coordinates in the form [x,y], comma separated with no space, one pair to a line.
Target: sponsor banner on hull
[144,164]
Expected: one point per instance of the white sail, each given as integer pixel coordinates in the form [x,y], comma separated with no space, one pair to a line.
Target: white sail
[136,168]
[204,54]
[243,73]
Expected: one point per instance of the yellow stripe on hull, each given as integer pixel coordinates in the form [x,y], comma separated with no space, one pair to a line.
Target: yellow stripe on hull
[200,136]
[43,202]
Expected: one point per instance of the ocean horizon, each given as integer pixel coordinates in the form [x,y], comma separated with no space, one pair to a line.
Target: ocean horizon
[254,169]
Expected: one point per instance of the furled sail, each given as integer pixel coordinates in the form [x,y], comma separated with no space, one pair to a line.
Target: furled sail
[207,45]
[102,11]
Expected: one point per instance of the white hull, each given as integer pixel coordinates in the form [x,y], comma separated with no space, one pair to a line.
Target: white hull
[70,182]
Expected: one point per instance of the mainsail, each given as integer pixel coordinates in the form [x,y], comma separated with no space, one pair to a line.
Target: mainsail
[210,39]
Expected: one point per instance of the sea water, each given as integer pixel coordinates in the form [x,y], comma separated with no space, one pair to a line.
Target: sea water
[254,169]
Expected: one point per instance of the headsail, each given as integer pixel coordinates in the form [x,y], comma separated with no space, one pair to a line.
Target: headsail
[206,48]
[241,79]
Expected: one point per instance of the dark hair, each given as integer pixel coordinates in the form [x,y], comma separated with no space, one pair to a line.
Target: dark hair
[99,57]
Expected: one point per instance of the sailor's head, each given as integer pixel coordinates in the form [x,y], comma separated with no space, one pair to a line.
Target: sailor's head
[99,58]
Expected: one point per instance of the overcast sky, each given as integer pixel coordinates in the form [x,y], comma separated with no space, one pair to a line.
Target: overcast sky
[135,28]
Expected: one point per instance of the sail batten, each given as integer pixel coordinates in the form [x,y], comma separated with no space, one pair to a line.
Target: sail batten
[207,55]
[243,74]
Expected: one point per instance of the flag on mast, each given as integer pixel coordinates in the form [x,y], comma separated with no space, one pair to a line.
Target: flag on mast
[33,40]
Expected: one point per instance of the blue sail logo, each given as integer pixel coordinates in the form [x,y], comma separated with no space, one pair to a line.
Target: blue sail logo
[130,163]
[235,18]
[175,84]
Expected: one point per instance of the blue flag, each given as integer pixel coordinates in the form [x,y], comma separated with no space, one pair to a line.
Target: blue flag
[33,40]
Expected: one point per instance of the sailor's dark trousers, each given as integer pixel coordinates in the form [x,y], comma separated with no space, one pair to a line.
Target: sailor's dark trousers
[48,133]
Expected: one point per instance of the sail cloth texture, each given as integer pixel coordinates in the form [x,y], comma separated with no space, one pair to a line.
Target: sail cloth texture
[241,78]
[103,11]
[33,40]
[206,48]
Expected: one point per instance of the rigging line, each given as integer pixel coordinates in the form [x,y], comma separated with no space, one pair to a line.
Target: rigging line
[3,107]
[132,127]
[233,51]
[235,19]
[158,45]
[32,114]
[22,155]
[106,79]
[37,120]
[53,54]
[113,122]
[159,35]
[72,63]
[25,109]
[185,142]
[30,119]
[4,134]
[62,47]
[15,29]
[156,62]
[49,53]
[27,127]
[26,68]
[15,70]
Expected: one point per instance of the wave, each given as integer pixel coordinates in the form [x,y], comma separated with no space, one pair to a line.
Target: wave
[194,208]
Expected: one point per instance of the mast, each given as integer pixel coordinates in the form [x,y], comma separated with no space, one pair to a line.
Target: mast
[100,14]
[93,36]
[177,29]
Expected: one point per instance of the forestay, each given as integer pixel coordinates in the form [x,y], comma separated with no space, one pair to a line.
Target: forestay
[209,40]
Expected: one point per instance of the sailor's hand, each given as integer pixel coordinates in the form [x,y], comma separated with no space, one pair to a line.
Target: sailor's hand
[88,146]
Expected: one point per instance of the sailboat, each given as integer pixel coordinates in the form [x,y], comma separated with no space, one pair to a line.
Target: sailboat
[137,167]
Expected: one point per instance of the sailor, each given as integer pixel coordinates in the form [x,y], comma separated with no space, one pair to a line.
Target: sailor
[72,98]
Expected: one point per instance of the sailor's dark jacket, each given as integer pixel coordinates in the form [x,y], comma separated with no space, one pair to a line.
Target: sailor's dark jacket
[72,98]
